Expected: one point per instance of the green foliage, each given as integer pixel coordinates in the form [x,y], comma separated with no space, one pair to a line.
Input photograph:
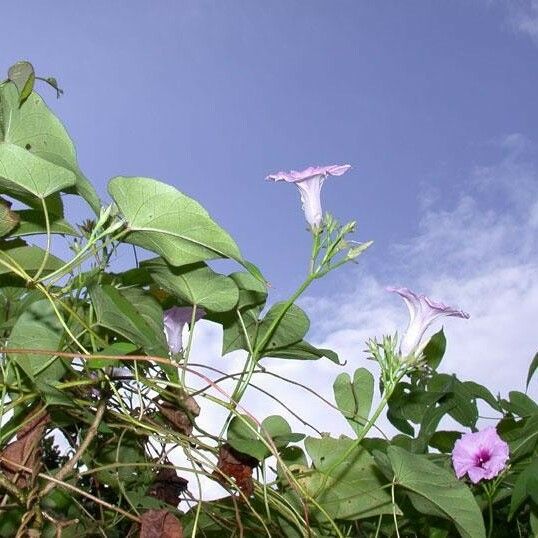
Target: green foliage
[438,487]
[85,362]
[354,399]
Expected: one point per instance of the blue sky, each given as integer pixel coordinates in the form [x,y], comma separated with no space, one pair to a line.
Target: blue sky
[212,96]
[433,103]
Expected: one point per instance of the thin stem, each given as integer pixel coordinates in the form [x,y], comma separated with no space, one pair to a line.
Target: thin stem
[189,345]
[47,248]
[70,465]
[394,510]
[12,489]
[315,251]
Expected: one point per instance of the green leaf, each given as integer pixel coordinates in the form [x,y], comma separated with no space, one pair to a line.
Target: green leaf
[23,76]
[277,429]
[8,219]
[32,222]
[38,328]
[435,349]
[532,368]
[353,489]
[133,314]
[22,172]
[37,132]
[28,257]
[53,395]
[117,348]
[233,337]
[444,440]
[303,351]
[354,399]
[520,404]
[464,410]
[525,485]
[245,436]
[290,329]
[195,284]
[453,498]
[165,221]
[252,292]
[481,392]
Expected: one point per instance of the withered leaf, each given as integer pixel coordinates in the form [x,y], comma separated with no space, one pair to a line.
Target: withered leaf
[168,486]
[160,524]
[238,466]
[177,418]
[8,219]
[25,451]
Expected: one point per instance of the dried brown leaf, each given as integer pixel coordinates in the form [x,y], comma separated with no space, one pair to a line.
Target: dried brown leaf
[25,451]
[8,218]
[168,486]
[237,466]
[179,420]
[160,524]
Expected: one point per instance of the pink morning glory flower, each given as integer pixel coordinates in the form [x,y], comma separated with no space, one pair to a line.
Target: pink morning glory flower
[309,183]
[174,320]
[480,455]
[423,312]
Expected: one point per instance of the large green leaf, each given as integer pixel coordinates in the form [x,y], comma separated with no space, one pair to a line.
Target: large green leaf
[38,328]
[195,284]
[22,172]
[452,497]
[32,137]
[133,314]
[291,328]
[354,399]
[28,257]
[352,489]
[165,221]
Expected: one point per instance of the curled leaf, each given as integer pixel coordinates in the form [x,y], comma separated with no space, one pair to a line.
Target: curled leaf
[177,417]
[236,466]
[25,451]
[160,524]
[168,486]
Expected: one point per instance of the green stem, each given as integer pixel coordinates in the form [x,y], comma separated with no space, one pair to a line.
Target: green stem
[189,345]
[47,249]
[315,251]
[82,255]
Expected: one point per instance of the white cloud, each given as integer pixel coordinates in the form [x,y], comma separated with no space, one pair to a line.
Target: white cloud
[523,16]
[479,255]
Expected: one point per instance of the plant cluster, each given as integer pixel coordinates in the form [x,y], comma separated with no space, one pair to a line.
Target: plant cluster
[97,382]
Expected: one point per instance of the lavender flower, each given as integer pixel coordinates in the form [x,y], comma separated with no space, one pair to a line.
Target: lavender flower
[174,320]
[480,455]
[423,312]
[309,183]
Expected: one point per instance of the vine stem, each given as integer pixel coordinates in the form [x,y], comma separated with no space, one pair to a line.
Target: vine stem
[70,465]
[70,487]
[189,345]
[47,248]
